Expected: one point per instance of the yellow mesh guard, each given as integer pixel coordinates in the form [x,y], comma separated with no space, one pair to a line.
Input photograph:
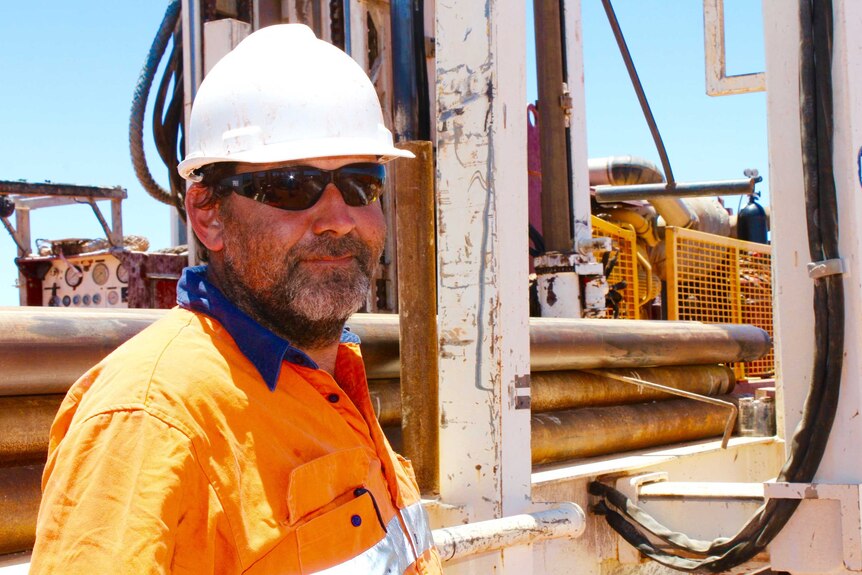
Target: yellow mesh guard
[714,279]
[625,243]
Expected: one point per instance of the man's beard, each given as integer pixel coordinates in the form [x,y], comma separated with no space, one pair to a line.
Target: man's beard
[287,295]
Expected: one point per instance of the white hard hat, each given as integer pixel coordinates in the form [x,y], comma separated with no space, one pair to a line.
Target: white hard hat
[284,95]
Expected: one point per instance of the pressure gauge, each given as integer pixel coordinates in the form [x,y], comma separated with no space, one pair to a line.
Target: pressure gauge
[100,273]
[74,276]
[123,273]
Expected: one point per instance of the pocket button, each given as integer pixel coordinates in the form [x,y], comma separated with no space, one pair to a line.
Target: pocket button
[356,520]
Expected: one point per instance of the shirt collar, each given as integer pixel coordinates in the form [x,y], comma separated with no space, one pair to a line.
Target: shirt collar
[262,347]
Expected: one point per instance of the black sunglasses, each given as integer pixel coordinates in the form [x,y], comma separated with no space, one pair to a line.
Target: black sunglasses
[300,187]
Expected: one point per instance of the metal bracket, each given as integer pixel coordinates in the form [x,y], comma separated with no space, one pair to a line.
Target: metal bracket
[817,270]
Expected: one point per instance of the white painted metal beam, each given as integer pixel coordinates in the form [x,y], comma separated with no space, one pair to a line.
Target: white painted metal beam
[482,276]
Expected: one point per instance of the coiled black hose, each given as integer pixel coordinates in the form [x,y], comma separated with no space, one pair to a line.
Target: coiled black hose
[168,27]
[809,439]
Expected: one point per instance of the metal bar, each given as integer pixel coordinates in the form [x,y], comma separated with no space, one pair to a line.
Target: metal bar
[22,226]
[48,189]
[417,313]
[731,419]
[117,221]
[613,194]
[567,520]
[102,222]
[639,89]
[556,196]
[39,202]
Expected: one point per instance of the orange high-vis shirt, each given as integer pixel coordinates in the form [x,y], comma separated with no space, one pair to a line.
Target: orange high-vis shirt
[173,455]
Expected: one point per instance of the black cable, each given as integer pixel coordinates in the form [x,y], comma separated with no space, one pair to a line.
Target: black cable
[139,103]
[809,440]
[422,90]
[167,122]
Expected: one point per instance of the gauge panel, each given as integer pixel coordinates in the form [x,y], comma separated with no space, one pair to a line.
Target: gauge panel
[86,282]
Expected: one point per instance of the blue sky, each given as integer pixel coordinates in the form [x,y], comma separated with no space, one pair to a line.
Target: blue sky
[71,69]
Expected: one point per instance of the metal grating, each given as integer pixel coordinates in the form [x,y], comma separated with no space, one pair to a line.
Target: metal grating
[625,244]
[714,279]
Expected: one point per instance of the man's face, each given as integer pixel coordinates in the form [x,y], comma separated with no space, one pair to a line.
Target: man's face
[300,273]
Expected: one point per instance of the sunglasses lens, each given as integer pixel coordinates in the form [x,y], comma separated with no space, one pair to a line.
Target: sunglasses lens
[360,184]
[295,188]
[299,188]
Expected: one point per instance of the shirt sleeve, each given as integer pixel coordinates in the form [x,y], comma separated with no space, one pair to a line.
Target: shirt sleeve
[117,490]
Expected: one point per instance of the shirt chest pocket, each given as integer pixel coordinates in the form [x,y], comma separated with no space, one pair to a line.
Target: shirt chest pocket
[335,516]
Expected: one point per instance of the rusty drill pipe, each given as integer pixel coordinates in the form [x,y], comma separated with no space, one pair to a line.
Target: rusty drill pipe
[24,425]
[43,350]
[591,431]
[19,505]
[25,421]
[558,390]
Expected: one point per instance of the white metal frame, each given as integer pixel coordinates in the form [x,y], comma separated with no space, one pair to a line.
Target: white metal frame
[718,83]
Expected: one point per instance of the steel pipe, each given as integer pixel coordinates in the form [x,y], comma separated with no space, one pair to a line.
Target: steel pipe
[44,350]
[613,194]
[19,505]
[24,425]
[565,520]
[559,390]
[591,431]
[564,344]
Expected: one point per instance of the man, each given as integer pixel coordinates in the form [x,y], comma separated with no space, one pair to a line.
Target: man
[236,435]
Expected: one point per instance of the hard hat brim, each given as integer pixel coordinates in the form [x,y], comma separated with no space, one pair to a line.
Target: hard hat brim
[293,151]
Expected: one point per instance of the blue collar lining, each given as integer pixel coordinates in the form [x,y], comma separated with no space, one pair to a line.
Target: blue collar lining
[262,347]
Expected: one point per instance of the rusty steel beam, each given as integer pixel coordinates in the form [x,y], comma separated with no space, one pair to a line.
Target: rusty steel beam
[19,505]
[24,425]
[62,190]
[417,313]
[43,350]
[591,431]
[559,390]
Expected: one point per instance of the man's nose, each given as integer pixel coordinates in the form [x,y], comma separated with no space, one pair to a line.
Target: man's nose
[331,214]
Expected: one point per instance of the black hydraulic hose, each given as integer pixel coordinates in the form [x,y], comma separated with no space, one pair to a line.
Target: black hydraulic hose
[167,123]
[139,104]
[422,88]
[639,90]
[410,72]
[405,100]
[809,440]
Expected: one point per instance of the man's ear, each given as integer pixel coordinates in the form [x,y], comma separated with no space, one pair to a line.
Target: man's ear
[205,221]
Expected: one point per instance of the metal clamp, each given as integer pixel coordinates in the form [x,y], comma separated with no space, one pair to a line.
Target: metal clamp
[817,270]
